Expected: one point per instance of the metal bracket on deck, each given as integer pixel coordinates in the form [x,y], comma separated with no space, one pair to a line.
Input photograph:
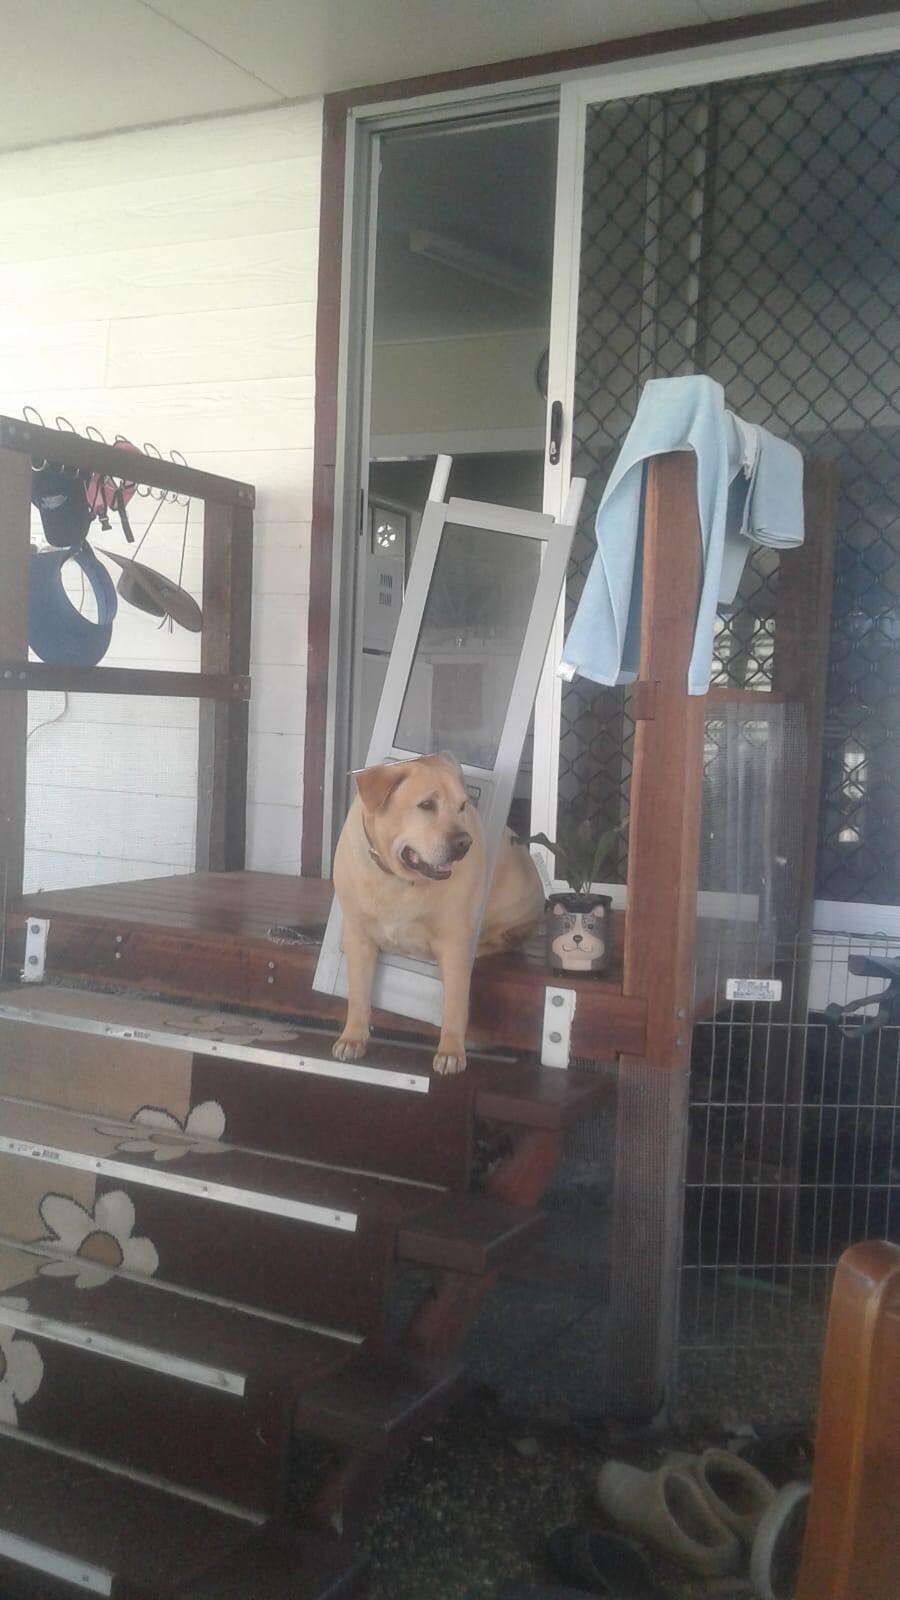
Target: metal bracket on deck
[559,1009]
[36,931]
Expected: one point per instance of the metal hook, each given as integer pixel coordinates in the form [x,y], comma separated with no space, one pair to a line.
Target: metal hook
[179,461]
[156,455]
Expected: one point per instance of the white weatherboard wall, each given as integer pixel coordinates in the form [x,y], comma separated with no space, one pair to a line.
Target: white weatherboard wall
[161,284]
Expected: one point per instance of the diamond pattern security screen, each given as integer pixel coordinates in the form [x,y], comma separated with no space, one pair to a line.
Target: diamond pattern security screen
[750,230]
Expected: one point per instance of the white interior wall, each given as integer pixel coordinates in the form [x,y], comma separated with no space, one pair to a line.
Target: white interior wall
[162,284]
[460,394]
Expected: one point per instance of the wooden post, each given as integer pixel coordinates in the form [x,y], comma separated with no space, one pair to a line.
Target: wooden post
[799,673]
[225,648]
[800,658]
[15,545]
[663,859]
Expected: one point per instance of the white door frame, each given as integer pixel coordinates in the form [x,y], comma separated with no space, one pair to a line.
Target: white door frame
[766,54]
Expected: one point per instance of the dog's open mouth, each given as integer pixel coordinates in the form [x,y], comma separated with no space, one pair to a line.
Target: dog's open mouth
[413,860]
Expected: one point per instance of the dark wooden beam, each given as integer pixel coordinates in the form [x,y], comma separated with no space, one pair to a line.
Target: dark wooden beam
[328,312]
[225,650]
[72,450]
[123,680]
[660,923]
[800,657]
[15,549]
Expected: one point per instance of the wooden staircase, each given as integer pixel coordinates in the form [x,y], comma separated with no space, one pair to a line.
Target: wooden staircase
[200,1218]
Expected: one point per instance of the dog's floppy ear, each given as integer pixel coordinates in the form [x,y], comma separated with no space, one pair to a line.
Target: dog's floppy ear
[377,784]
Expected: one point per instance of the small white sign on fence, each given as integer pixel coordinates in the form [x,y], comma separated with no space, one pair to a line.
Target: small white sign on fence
[753,989]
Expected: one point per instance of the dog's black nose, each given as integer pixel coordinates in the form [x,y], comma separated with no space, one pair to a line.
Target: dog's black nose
[576,938]
[460,844]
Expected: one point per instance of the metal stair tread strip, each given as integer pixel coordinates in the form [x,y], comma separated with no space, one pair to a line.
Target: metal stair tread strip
[139,1323]
[102,1531]
[171,1026]
[257,1180]
[53,1252]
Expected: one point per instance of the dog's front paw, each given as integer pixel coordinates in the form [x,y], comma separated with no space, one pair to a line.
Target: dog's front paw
[450,1060]
[350,1047]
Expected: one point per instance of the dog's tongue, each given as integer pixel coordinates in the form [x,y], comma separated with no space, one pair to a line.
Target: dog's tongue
[414,860]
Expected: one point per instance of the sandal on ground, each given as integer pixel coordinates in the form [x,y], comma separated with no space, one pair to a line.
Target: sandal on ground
[668,1509]
[602,1563]
[737,1492]
[778,1545]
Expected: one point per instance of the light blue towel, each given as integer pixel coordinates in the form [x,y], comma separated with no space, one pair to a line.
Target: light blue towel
[680,414]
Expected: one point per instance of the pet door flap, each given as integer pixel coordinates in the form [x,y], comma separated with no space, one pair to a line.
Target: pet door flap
[463,674]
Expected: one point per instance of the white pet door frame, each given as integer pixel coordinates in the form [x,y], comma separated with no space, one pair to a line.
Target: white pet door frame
[497,630]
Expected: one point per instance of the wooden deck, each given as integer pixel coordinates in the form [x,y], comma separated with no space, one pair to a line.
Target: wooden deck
[206,936]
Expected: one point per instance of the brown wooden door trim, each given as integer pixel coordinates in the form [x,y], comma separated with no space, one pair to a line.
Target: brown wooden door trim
[331,219]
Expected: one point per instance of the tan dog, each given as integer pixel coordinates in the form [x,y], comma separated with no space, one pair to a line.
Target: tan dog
[409,872]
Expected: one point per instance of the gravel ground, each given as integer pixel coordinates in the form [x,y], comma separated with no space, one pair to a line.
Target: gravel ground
[472,1506]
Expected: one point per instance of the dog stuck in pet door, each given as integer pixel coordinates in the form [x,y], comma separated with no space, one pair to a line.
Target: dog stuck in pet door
[483,590]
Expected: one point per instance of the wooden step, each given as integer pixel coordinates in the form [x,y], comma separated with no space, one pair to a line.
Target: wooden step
[284,1236]
[199,1394]
[282,1564]
[265,1083]
[382,1398]
[207,934]
[467,1233]
[70,1526]
[539,1097]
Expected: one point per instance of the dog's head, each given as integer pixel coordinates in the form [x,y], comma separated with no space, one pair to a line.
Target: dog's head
[417,815]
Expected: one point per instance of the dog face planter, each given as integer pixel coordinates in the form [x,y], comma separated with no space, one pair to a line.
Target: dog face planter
[578,932]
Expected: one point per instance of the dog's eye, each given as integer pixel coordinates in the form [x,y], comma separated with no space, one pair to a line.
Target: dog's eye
[428,805]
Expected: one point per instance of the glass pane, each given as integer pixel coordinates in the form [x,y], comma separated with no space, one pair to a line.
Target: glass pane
[476,614]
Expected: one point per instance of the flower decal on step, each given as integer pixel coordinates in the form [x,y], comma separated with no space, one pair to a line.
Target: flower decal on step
[21,1368]
[96,1242]
[167,1139]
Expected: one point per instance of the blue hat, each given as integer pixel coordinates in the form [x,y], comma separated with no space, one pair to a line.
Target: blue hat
[57,632]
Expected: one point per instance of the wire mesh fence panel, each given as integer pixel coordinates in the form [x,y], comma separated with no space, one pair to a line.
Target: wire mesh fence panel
[749,231]
[793,1155]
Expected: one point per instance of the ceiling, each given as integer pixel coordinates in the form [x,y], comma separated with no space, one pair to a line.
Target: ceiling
[71,70]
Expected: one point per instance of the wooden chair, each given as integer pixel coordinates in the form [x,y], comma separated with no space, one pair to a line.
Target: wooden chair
[852,1545]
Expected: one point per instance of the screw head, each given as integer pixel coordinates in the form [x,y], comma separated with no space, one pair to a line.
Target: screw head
[35,927]
[555,1038]
[32,961]
[557,1000]
[118,938]
[680,1040]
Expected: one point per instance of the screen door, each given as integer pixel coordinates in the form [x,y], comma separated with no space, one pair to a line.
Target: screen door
[482,594]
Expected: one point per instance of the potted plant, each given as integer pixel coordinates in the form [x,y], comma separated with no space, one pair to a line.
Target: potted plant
[578,926]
